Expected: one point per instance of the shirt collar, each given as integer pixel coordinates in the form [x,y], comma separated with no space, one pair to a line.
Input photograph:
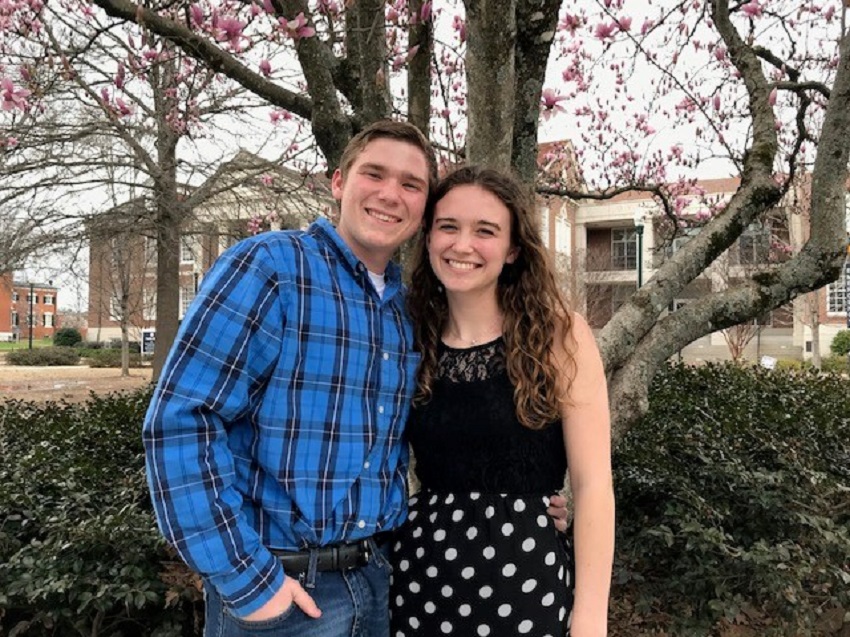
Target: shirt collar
[325,229]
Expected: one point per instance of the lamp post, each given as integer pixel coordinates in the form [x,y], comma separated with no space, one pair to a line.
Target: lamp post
[639,220]
[31,318]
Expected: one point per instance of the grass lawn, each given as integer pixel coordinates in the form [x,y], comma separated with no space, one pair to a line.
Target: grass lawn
[24,344]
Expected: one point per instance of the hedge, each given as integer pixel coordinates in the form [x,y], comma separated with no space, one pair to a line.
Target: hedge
[732,498]
[43,356]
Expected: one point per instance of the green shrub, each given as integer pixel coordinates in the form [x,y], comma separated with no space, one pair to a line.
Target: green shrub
[80,553]
[42,356]
[732,501]
[835,364]
[840,345]
[110,358]
[67,337]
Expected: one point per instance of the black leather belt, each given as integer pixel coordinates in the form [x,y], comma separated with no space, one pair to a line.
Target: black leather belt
[336,557]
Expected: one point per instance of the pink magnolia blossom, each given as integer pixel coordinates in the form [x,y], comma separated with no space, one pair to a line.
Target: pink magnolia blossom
[459,25]
[550,103]
[197,15]
[120,76]
[124,109]
[752,9]
[625,23]
[297,28]
[9,142]
[265,67]
[719,53]
[772,98]
[571,23]
[646,26]
[605,31]
[229,30]
[267,179]
[425,12]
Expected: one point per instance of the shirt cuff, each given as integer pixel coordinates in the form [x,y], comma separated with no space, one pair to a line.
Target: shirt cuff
[249,588]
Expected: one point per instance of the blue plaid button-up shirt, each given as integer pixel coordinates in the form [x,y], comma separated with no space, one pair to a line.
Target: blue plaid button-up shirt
[277,421]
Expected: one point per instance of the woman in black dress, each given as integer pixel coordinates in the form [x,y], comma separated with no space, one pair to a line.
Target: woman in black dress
[510,391]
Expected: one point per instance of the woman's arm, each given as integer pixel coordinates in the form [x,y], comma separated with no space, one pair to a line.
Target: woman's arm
[587,436]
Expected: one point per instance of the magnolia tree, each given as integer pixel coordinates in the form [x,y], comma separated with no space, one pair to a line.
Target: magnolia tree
[646,98]
[98,114]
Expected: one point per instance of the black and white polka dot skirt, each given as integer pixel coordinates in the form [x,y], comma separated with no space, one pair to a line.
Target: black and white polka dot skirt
[480,565]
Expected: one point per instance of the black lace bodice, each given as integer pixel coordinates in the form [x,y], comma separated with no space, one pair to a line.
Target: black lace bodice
[468,438]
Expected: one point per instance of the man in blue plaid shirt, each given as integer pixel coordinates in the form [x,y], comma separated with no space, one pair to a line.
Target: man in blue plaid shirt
[274,439]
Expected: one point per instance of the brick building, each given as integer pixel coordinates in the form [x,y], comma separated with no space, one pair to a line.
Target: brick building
[27,308]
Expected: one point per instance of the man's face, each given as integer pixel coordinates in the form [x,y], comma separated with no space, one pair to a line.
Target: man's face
[382,199]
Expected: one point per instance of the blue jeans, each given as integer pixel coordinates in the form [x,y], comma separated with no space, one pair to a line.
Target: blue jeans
[354,604]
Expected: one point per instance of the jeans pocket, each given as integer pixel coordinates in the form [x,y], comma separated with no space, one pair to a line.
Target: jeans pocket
[242,628]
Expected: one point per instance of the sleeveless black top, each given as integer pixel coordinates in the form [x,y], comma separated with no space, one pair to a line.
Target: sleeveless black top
[468,437]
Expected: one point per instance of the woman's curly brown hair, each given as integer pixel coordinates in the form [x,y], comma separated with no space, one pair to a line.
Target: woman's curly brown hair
[528,294]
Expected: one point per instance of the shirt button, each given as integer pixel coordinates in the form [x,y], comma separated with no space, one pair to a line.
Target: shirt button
[367,464]
[362,524]
[380,409]
[386,356]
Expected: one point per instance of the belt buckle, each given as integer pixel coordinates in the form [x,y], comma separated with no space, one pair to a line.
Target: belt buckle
[367,554]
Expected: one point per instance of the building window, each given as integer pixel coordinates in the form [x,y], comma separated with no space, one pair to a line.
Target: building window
[754,245]
[187,295]
[30,321]
[623,249]
[115,312]
[187,249]
[149,307]
[15,297]
[16,321]
[836,294]
[150,251]
[48,299]
[32,298]
[47,319]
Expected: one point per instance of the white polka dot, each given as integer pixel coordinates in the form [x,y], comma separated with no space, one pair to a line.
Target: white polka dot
[542,521]
[414,623]
[489,552]
[446,627]
[403,565]
[546,500]
[519,506]
[483,630]
[465,610]
[504,610]
[529,585]
[446,591]
[399,601]
[417,532]
[568,579]
[562,613]
[431,571]
[548,599]
[474,496]
[420,552]
[508,570]
[433,499]
[529,544]
[561,573]
[450,498]
[489,512]
[413,500]
[485,592]
[457,516]
[507,529]
[451,555]
[550,558]
[412,515]
[432,517]
[414,587]
[397,546]
[467,573]
[472,533]
[525,626]
[430,608]
[439,535]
